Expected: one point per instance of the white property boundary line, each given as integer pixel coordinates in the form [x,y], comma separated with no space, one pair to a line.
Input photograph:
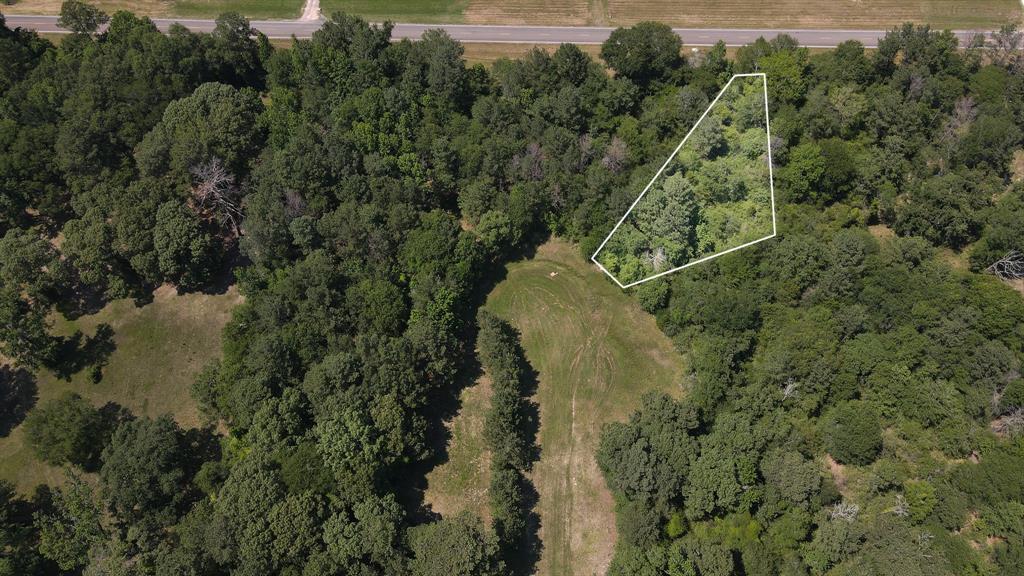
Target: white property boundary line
[771,185]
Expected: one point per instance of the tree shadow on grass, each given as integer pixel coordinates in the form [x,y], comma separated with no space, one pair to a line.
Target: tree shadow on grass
[78,352]
[18,394]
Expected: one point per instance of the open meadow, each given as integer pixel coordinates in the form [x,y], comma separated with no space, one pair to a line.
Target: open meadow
[158,349]
[596,352]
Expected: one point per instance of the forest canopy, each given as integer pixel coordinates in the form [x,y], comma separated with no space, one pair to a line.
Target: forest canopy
[712,195]
[855,404]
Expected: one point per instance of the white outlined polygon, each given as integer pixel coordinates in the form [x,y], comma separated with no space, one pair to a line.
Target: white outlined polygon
[771,185]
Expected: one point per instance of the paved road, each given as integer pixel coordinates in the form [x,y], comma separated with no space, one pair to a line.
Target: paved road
[514,34]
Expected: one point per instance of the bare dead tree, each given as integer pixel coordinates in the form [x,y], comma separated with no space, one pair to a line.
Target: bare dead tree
[956,126]
[1004,46]
[964,113]
[844,511]
[294,203]
[901,509]
[531,162]
[214,193]
[916,87]
[586,143]
[924,542]
[1010,424]
[1009,267]
[656,259]
[790,389]
[615,155]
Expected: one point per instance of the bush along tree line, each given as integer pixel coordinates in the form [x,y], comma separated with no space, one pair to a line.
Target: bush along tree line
[510,432]
[853,397]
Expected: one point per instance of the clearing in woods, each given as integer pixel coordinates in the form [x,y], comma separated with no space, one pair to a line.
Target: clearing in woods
[159,349]
[596,352]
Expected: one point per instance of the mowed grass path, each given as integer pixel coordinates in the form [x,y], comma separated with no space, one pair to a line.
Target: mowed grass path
[596,353]
[160,348]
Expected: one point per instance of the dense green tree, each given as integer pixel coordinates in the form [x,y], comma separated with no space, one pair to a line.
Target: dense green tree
[72,527]
[30,275]
[81,17]
[456,546]
[649,458]
[144,469]
[21,549]
[852,433]
[67,430]
[946,209]
[184,251]
[370,540]
[644,52]
[216,123]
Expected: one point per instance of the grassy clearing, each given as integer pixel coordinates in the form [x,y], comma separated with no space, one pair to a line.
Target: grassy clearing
[264,9]
[416,11]
[462,482]
[596,352]
[160,347]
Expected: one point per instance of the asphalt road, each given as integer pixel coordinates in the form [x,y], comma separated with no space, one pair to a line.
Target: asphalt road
[514,34]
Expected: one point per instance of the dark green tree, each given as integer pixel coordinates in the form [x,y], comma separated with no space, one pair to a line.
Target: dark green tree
[67,430]
[143,472]
[852,433]
[643,53]
[81,17]
[456,546]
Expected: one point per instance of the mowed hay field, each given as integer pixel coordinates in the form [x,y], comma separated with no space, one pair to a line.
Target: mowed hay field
[417,11]
[262,9]
[596,352]
[159,349]
[864,14]
[869,14]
